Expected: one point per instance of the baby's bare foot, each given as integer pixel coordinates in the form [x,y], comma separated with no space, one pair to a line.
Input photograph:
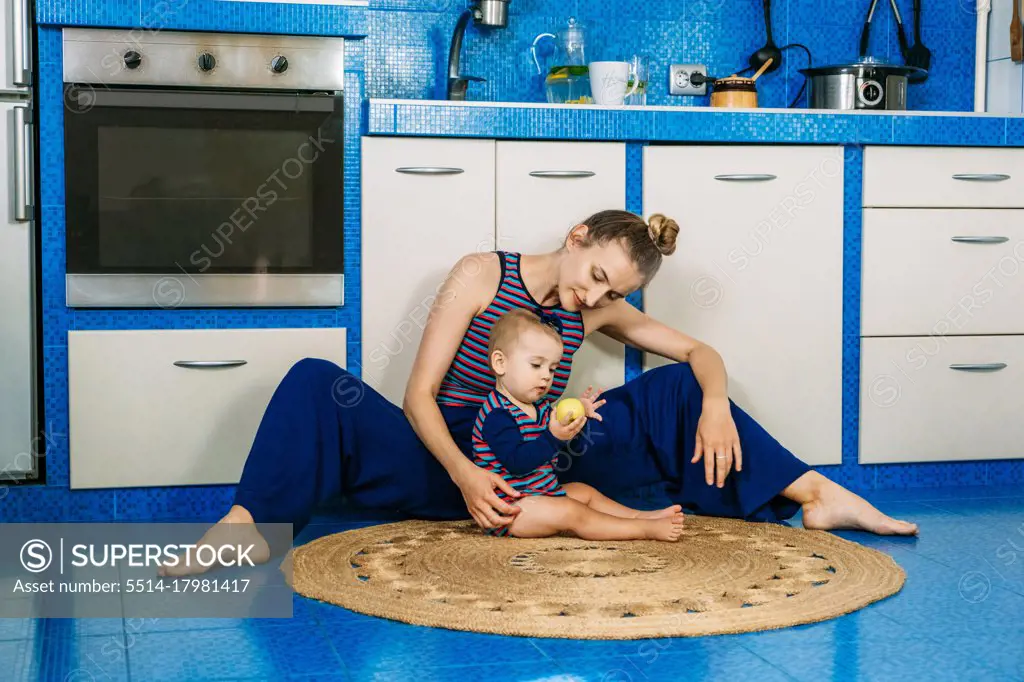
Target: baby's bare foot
[667,512]
[667,529]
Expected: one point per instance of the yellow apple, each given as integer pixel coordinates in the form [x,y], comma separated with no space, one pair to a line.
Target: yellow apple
[568,409]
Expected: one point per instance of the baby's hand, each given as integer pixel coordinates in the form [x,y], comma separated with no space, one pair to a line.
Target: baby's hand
[591,403]
[568,431]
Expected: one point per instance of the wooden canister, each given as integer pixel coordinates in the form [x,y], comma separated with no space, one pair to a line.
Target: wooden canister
[734,92]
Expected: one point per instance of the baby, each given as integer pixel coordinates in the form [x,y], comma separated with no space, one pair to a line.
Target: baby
[517,436]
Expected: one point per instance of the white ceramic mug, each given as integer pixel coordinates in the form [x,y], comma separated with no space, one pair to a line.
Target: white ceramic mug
[609,82]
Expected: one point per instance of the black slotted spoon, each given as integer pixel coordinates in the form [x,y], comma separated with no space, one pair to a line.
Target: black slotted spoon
[918,55]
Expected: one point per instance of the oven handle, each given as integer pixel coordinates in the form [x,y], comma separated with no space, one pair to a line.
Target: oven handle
[243,101]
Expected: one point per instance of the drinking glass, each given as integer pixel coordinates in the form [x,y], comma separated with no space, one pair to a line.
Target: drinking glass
[639,72]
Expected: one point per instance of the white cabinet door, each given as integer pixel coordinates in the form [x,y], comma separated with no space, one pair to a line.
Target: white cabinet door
[758,275]
[426,203]
[930,399]
[163,408]
[942,272]
[943,177]
[17,307]
[544,190]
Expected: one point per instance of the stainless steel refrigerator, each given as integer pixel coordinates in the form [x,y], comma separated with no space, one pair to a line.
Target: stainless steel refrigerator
[18,354]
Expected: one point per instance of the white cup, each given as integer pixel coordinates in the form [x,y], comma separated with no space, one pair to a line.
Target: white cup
[608,82]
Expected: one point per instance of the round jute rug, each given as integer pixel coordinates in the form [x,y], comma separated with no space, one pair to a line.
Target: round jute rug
[723,576]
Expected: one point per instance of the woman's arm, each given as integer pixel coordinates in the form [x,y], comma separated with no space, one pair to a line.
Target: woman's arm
[624,323]
[717,437]
[463,294]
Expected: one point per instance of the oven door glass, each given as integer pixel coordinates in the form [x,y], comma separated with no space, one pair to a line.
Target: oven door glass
[236,197]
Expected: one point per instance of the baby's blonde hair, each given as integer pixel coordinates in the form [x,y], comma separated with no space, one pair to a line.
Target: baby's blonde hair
[513,323]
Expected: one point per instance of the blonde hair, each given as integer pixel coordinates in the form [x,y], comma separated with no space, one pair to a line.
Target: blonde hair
[513,323]
[646,242]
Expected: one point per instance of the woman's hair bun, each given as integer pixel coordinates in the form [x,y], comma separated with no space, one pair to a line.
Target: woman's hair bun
[663,231]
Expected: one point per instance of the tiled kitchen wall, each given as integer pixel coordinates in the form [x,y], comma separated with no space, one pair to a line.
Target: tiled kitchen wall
[409,40]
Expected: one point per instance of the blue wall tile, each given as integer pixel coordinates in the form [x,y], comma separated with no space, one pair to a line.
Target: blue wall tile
[205,15]
[944,129]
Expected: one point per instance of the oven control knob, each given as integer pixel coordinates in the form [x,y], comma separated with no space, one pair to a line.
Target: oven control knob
[206,62]
[132,59]
[279,64]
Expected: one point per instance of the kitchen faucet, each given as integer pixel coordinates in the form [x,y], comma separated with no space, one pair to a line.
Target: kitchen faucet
[492,13]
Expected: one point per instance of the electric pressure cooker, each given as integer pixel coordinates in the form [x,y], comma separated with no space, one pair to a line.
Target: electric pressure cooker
[868,83]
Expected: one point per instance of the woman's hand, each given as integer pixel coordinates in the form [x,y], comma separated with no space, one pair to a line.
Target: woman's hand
[591,403]
[718,442]
[477,486]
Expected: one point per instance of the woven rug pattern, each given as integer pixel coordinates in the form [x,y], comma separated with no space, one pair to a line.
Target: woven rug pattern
[723,576]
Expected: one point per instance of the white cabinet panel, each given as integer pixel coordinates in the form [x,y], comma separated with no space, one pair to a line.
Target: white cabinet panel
[139,419]
[426,203]
[944,177]
[915,407]
[544,189]
[758,276]
[942,272]
[17,312]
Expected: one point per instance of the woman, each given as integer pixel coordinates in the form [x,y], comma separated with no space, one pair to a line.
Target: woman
[326,433]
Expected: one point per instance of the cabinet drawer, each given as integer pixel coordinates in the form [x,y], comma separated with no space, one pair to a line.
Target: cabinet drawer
[138,419]
[944,177]
[941,399]
[942,272]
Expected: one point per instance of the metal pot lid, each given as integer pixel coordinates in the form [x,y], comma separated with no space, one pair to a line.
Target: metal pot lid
[863,65]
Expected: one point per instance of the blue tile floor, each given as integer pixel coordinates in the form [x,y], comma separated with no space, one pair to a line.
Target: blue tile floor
[960,616]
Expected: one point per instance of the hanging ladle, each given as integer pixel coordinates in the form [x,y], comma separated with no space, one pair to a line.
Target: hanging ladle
[770,53]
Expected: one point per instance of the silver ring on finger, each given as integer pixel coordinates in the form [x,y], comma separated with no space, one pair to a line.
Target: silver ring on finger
[719,456]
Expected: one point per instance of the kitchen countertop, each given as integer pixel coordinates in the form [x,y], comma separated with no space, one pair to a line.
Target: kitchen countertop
[517,120]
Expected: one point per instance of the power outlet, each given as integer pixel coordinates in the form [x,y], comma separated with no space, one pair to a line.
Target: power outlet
[680,82]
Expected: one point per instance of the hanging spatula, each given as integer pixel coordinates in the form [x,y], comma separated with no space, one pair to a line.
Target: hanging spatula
[918,55]
[1016,35]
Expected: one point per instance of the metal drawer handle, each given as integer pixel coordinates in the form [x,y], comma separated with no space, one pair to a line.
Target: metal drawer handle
[563,174]
[429,170]
[24,172]
[981,240]
[746,177]
[21,43]
[981,177]
[209,364]
[982,367]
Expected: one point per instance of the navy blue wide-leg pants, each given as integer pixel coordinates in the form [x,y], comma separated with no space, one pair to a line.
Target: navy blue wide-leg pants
[326,433]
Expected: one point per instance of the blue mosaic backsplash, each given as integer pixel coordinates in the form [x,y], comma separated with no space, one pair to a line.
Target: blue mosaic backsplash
[409,44]
[404,56]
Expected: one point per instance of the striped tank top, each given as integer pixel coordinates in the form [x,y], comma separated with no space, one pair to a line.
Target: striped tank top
[469,380]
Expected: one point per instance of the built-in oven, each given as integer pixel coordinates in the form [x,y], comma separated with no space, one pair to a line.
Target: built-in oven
[203,169]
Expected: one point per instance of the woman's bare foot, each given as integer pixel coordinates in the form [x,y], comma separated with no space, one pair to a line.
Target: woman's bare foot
[668,529]
[836,508]
[667,512]
[236,529]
